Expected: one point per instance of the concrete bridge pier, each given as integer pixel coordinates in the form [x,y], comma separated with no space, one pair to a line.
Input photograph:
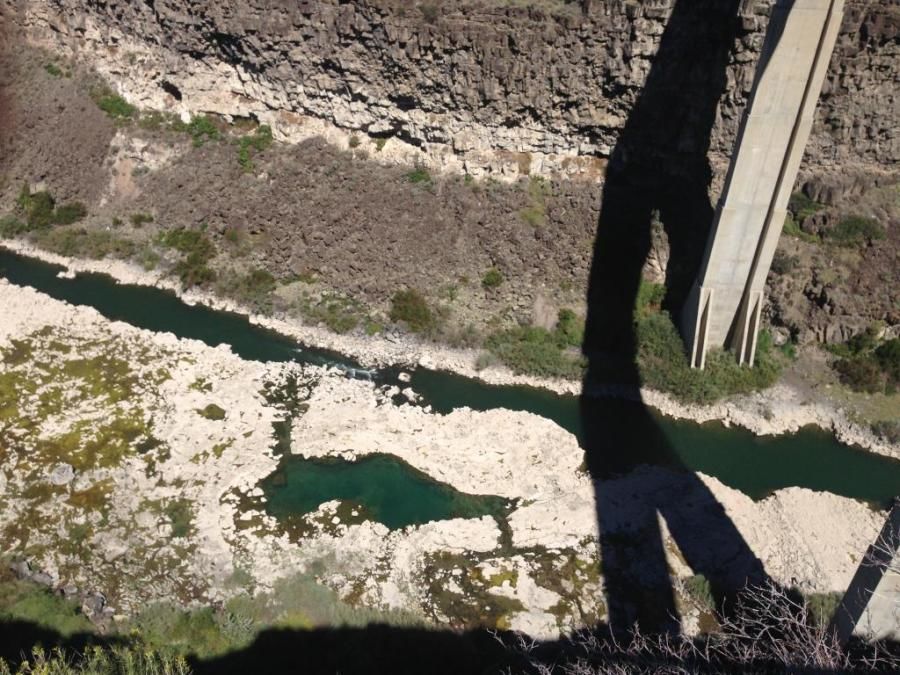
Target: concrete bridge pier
[725,304]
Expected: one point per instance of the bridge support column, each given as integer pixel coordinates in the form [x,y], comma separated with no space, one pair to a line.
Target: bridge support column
[725,305]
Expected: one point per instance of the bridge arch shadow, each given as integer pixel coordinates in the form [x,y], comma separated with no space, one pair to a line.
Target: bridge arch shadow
[659,167]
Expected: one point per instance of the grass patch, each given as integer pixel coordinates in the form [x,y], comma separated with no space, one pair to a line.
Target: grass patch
[492,278]
[83,243]
[535,214]
[257,141]
[420,176]
[113,105]
[99,661]
[410,307]
[23,601]
[700,590]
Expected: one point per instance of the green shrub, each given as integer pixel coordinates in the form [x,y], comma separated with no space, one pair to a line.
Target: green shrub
[39,207]
[822,606]
[420,176]
[148,258]
[212,412]
[197,250]
[854,230]
[139,219]
[863,342]
[10,226]
[168,627]
[411,307]
[888,356]
[802,206]
[889,430]
[23,601]
[259,141]
[534,351]
[569,329]
[69,213]
[193,270]
[860,373]
[379,144]
[53,69]
[254,289]
[180,517]
[201,129]
[792,229]
[699,588]
[115,106]
[492,278]
[339,313]
[353,141]
[663,364]
[649,297]
[784,263]
[192,242]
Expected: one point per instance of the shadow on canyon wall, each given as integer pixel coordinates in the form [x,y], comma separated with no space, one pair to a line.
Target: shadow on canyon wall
[672,118]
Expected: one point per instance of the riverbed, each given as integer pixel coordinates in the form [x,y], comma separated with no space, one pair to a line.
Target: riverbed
[756,465]
[490,497]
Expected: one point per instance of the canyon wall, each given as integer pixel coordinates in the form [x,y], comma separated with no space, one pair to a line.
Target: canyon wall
[490,87]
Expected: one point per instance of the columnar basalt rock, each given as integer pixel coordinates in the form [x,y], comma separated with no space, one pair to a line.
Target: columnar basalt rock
[481,87]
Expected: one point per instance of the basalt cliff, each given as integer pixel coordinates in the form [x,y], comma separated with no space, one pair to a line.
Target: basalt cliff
[492,86]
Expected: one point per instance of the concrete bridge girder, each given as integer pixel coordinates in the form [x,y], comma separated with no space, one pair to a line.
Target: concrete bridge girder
[725,304]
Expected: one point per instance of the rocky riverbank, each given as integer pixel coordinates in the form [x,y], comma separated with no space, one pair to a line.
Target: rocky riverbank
[132,462]
[777,410]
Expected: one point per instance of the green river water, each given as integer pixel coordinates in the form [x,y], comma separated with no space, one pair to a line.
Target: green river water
[396,494]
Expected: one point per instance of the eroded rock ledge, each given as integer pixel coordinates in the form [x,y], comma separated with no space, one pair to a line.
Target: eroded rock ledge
[482,87]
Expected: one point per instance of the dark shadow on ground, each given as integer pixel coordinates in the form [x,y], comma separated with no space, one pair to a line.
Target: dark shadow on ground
[380,649]
[658,169]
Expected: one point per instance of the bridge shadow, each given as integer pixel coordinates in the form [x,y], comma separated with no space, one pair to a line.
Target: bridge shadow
[658,169]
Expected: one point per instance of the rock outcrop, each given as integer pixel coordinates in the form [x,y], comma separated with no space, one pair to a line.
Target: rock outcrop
[485,86]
